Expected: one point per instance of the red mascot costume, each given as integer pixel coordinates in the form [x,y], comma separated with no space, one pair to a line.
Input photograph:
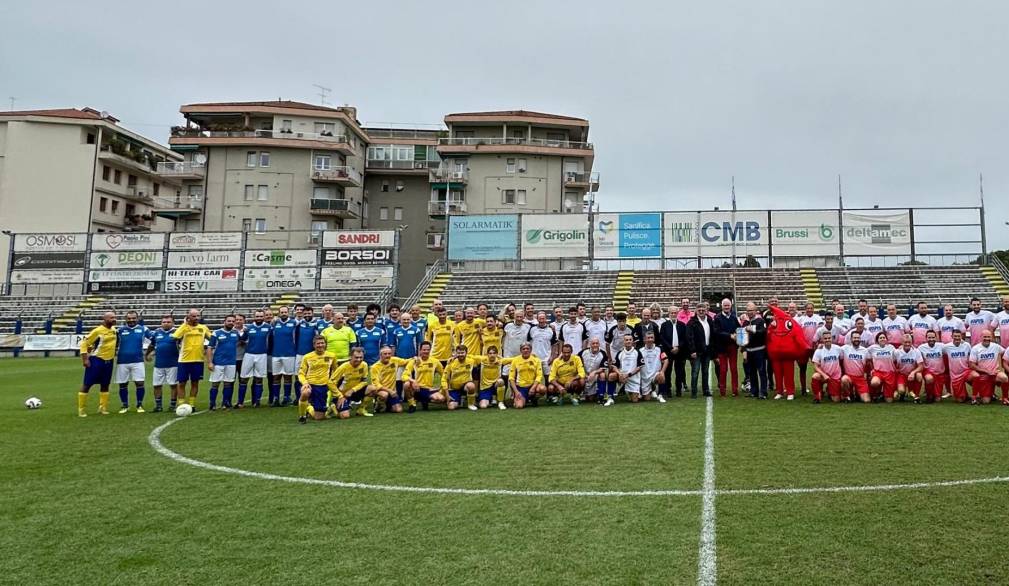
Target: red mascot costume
[785,344]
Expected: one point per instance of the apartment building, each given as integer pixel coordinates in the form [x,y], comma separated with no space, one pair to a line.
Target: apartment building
[270,166]
[78,170]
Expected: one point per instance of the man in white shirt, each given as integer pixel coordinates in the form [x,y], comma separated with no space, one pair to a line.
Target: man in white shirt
[1002,323]
[921,323]
[895,326]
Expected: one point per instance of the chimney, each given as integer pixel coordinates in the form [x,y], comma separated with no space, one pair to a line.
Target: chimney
[350,111]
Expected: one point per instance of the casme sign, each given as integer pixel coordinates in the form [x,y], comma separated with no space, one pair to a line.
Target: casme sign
[280,258]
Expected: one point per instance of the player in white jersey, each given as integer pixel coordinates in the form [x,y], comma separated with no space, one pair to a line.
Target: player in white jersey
[544,341]
[854,361]
[841,318]
[595,326]
[627,365]
[985,360]
[977,321]
[859,328]
[884,368]
[948,324]
[572,332]
[653,370]
[597,371]
[958,366]
[810,323]
[873,324]
[934,373]
[921,323]
[1002,323]
[615,336]
[516,333]
[837,332]
[909,367]
[827,366]
[895,326]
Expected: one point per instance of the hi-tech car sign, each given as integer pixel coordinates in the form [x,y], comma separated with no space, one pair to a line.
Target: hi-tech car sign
[359,239]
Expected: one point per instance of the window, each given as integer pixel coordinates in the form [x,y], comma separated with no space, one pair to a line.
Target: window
[131,210]
[464,134]
[509,165]
[397,213]
[263,192]
[246,224]
[250,159]
[103,203]
[317,229]
[523,166]
[285,126]
[115,206]
[324,128]
[250,192]
[460,165]
[520,197]
[435,241]
[106,172]
[264,159]
[402,153]
[383,213]
[320,193]
[508,196]
[323,162]
[195,191]
[385,186]
[90,139]
[131,180]
[117,177]
[260,225]
[557,136]
[377,153]
[319,226]
[156,189]
[400,186]
[518,133]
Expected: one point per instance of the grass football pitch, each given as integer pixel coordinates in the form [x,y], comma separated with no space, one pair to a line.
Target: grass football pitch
[90,501]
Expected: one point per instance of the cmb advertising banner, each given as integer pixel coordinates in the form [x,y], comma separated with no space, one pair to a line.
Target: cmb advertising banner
[715,234]
[805,233]
[359,239]
[483,237]
[876,232]
[353,256]
[48,260]
[279,279]
[627,236]
[200,259]
[128,241]
[554,236]
[47,276]
[204,240]
[127,260]
[50,242]
[280,258]
[341,277]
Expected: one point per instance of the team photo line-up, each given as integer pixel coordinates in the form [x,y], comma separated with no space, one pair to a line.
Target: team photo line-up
[339,364]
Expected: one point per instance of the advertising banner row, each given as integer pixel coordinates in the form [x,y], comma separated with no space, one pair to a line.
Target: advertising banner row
[680,234]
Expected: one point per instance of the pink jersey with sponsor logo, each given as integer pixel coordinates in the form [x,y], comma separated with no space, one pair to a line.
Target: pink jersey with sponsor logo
[884,358]
[986,358]
[829,360]
[921,325]
[949,325]
[977,323]
[810,324]
[874,327]
[934,357]
[958,358]
[1002,324]
[895,329]
[908,360]
[854,359]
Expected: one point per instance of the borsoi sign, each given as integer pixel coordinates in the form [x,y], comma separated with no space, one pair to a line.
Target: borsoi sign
[359,239]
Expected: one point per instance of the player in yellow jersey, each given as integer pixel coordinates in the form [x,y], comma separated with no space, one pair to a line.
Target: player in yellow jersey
[418,378]
[192,354]
[567,376]
[383,379]
[350,387]
[458,379]
[98,350]
[441,334]
[315,374]
[492,386]
[491,335]
[467,332]
[524,377]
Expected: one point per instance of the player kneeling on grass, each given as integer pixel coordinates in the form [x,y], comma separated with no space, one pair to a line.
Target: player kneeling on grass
[350,387]
[525,378]
[458,379]
[418,379]
[984,364]
[567,376]
[383,378]
[315,374]
[827,369]
[884,369]
[934,373]
[627,366]
[855,360]
[653,371]
[492,386]
[909,367]
[958,365]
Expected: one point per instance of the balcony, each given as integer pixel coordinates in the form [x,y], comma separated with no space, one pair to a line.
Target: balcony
[181,170]
[245,136]
[345,176]
[389,167]
[440,209]
[332,207]
[128,159]
[140,193]
[138,222]
[586,181]
[178,207]
[448,175]
[498,144]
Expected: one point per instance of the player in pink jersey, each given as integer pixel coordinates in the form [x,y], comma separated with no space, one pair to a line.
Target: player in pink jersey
[933,356]
[827,366]
[855,360]
[948,324]
[894,325]
[884,368]
[958,366]
[985,372]
[921,323]
[1002,323]
[977,321]
[859,329]
[909,367]
[810,323]
[1005,370]
[873,324]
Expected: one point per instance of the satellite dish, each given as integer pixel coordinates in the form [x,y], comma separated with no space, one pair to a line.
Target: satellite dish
[568,204]
[103,114]
[200,158]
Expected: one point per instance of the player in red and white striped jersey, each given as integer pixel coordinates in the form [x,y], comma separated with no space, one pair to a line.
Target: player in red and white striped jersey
[884,368]
[958,365]
[985,362]
[934,357]
[921,323]
[895,326]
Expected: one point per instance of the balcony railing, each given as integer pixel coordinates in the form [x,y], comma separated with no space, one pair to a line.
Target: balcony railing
[332,207]
[193,202]
[405,133]
[448,175]
[138,221]
[442,208]
[388,164]
[591,180]
[138,192]
[340,174]
[499,140]
[171,168]
[291,134]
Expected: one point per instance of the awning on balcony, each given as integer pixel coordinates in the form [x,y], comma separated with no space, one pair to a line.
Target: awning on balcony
[448,185]
[185,147]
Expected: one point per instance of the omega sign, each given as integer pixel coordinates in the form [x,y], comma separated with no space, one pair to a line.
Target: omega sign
[350,256]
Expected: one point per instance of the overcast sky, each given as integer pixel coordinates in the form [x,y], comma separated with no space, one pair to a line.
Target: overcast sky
[907,101]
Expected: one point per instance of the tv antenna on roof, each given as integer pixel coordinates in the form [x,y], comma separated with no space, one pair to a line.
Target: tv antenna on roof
[323,93]
[12,99]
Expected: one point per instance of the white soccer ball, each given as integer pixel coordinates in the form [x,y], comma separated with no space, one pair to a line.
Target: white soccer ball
[184,410]
[33,403]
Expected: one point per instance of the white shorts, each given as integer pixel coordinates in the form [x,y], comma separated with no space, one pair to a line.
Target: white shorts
[133,371]
[166,376]
[283,365]
[633,385]
[647,383]
[253,365]
[223,373]
[297,363]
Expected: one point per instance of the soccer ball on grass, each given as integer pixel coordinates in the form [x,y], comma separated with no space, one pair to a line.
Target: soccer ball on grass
[33,403]
[184,410]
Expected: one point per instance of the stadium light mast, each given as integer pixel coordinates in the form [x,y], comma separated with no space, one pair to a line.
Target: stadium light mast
[732,192]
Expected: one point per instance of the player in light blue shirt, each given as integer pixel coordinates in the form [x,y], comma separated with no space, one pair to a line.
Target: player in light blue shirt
[130,360]
[165,349]
[406,338]
[223,357]
[257,345]
[284,332]
[305,332]
[371,338]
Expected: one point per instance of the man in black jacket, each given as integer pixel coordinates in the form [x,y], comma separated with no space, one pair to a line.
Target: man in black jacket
[645,326]
[699,332]
[725,348]
[756,352]
[676,344]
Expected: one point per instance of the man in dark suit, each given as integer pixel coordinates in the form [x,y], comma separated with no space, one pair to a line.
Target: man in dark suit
[725,348]
[645,326]
[676,344]
[700,333]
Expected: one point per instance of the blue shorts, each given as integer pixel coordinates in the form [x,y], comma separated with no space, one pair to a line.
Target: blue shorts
[99,373]
[488,394]
[190,371]
[423,395]
[456,396]
[392,399]
[319,395]
[524,391]
[346,403]
[357,395]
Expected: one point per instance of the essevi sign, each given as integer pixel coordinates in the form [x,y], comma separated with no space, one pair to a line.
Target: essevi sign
[555,236]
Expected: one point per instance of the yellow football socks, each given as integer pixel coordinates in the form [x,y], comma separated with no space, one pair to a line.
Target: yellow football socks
[470,398]
[103,402]
[82,403]
[501,393]
[302,408]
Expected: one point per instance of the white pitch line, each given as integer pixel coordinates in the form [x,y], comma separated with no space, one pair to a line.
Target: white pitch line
[707,561]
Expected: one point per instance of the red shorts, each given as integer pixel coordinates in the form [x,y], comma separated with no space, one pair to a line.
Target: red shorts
[834,387]
[958,384]
[983,385]
[902,381]
[889,380]
[858,383]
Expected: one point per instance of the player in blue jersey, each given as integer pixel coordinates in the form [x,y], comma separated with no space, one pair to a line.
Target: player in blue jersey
[370,338]
[130,361]
[327,318]
[419,320]
[406,338]
[284,331]
[165,350]
[223,353]
[305,330]
[391,321]
[352,318]
[257,344]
